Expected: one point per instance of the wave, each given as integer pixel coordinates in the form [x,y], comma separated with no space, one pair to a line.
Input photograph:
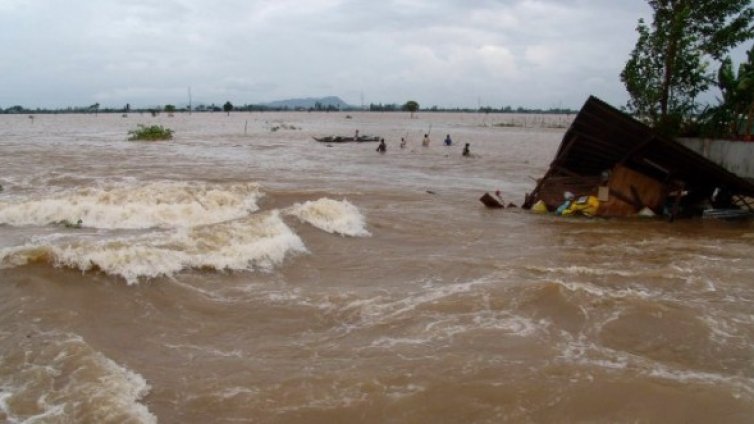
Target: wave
[444,309]
[255,242]
[575,269]
[58,377]
[129,206]
[333,216]
[609,292]
[446,328]
[590,354]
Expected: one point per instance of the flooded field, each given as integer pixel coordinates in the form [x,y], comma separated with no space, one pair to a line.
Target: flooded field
[244,272]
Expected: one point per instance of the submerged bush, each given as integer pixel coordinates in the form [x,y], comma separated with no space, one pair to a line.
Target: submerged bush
[154,132]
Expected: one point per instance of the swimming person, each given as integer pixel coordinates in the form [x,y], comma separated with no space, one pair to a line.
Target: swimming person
[382,148]
[466,151]
[448,141]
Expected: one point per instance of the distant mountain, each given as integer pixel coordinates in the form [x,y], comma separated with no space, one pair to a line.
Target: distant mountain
[309,102]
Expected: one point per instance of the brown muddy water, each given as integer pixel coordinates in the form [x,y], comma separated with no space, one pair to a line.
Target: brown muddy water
[243,272]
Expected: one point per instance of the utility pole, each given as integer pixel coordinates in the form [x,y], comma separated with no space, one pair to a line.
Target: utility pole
[189,94]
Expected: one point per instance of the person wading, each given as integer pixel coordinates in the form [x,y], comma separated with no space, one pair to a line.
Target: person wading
[382,148]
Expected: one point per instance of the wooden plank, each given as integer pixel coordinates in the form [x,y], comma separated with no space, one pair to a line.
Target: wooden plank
[630,191]
[620,195]
[490,201]
[637,199]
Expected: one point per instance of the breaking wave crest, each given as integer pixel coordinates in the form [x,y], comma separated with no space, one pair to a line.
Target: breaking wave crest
[156,229]
[58,377]
[255,242]
[156,204]
[333,216]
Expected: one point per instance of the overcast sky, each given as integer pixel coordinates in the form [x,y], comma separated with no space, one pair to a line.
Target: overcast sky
[466,53]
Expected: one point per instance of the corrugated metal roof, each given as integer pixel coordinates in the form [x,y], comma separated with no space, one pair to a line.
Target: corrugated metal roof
[601,137]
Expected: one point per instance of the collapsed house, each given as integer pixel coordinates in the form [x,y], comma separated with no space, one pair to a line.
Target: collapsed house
[631,168]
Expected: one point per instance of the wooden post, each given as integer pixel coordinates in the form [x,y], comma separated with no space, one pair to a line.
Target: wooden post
[676,203]
[532,197]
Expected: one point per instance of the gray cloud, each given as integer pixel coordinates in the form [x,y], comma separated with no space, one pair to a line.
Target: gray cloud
[537,53]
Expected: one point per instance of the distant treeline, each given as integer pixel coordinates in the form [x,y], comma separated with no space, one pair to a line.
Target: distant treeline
[265,108]
[486,109]
[153,110]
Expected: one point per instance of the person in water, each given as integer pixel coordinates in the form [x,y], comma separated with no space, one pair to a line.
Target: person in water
[466,151]
[356,136]
[425,141]
[403,142]
[448,141]
[382,148]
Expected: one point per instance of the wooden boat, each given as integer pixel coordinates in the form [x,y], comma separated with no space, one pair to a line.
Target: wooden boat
[340,139]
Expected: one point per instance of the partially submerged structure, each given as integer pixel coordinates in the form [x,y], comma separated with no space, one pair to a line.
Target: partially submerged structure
[629,167]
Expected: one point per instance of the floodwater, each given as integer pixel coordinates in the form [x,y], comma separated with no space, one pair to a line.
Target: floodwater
[244,272]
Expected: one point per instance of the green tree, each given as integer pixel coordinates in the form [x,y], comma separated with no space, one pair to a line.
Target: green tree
[411,106]
[745,89]
[154,132]
[734,116]
[227,107]
[169,109]
[668,67]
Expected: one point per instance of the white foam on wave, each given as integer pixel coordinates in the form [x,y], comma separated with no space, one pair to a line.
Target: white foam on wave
[385,309]
[232,392]
[584,352]
[192,351]
[380,309]
[724,330]
[132,206]
[583,270]
[333,216]
[449,326]
[590,354]
[255,242]
[501,322]
[58,377]
[608,292]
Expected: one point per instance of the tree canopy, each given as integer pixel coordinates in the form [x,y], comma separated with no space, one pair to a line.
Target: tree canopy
[411,106]
[669,66]
[734,116]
